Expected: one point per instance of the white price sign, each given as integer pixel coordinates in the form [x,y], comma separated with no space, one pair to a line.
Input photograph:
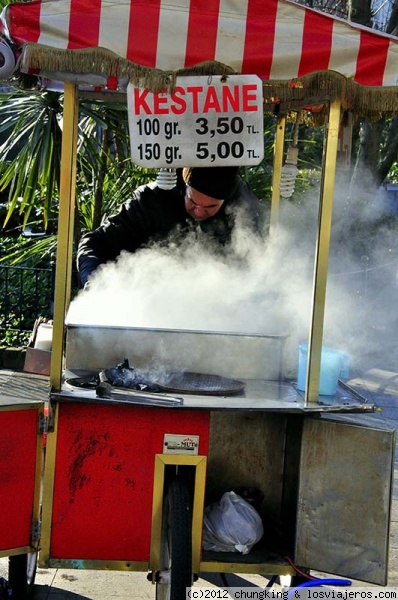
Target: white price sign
[206,121]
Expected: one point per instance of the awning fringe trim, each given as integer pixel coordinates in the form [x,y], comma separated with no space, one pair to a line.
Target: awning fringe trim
[327,85]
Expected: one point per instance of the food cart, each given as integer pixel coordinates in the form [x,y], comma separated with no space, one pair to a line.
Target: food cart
[127,476]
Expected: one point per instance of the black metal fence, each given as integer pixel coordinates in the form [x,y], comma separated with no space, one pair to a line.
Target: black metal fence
[25,294]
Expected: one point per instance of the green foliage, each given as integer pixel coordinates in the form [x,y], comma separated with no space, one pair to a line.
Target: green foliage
[13,338]
[393,175]
[306,179]
[31,152]
[29,252]
[259,176]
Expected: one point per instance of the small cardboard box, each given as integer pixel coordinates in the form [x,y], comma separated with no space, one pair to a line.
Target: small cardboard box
[37,361]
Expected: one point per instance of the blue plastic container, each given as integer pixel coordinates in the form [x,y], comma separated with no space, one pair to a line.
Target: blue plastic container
[334,364]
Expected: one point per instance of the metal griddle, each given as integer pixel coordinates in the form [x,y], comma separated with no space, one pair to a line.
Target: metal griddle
[200,383]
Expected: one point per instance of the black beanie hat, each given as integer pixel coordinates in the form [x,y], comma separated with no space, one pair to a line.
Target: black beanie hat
[217,182]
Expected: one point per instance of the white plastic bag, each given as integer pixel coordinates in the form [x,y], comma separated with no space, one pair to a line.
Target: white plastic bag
[231,525]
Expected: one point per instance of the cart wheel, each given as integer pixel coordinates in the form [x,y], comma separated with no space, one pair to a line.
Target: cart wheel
[21,574]
[176,544]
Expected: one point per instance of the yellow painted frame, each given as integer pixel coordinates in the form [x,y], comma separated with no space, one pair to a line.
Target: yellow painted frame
[322,252]
[62,298]
[98,565]
[277,171]
[48,488]
[329,165]
[37,498]
[66,220]
[161,461]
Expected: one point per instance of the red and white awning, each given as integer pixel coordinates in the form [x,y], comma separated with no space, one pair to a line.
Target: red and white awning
[275,39]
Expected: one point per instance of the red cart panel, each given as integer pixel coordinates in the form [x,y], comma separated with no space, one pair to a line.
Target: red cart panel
[103,486]
[18,451]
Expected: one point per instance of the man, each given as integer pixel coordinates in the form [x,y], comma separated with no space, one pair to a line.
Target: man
[209,199]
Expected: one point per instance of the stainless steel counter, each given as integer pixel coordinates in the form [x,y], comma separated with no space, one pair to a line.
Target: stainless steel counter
[261,395]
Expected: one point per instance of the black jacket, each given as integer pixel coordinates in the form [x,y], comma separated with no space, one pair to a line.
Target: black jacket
[156,215]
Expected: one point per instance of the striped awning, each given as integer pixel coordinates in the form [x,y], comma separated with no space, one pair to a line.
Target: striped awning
[277,40]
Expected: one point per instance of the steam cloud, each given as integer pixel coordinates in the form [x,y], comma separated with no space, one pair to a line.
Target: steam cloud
[259,286]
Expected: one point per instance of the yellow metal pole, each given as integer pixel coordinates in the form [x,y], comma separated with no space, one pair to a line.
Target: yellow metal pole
[322,253]
[197,512]
[48,490]
[277,171]
[38,477]
[65,230]
[161,461]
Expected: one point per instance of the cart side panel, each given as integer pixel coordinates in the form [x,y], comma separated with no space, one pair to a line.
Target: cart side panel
[344,501]
[18,449]
[103,486]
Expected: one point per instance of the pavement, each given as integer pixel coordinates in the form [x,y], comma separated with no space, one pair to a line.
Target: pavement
[67,584]
[72,584]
